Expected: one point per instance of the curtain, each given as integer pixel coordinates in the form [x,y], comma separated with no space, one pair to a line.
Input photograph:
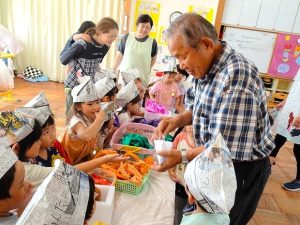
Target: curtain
[44,26]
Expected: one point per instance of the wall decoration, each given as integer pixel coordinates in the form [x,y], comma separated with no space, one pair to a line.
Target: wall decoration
[207,13]
[150,8]
[286,56]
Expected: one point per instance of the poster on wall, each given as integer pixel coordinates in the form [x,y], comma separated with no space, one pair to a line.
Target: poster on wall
[150,8]
[207,13]
[290,110]
[286,56]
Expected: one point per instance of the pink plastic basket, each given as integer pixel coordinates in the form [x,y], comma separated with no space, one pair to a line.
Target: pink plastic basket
[136,128]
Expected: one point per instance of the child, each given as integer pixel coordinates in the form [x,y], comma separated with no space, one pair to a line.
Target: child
[81,137]
[15,193]
[80,34]
[183,141]
[87,56]
[127,99]
[106,90]
[68,195]
[133,74]
[181,74]
[166,91]
[211,185]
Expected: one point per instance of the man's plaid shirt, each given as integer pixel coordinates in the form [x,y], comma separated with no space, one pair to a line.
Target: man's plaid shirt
[231,100]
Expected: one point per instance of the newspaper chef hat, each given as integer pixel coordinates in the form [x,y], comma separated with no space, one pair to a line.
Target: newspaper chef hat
[39,106]
[210,178]
[130,74]
[170,65]
[101,73]
[104,85]
[7,159]
[126,94]
[61,199]
[85,92]
[14,127]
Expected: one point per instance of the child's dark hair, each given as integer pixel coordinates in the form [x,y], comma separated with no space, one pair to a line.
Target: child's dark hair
[6,181]
[29,140]
[181,71]
[49,121]
[85,26]
[112,92]
[78,112]
[91,201]
[136,100]
[144,18]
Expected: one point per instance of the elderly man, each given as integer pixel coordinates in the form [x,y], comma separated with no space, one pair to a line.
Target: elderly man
[228,97]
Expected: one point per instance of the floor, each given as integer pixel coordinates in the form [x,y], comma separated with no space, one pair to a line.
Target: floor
[276,207]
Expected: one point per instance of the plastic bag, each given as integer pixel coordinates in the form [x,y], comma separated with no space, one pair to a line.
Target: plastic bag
[6,78]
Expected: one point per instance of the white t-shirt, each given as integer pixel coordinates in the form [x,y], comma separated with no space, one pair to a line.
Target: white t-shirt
[9,220]
[36,174]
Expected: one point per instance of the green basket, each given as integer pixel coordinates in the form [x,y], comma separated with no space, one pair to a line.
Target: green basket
[131,188]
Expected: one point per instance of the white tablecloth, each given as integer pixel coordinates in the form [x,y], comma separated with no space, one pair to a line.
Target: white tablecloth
[153,206]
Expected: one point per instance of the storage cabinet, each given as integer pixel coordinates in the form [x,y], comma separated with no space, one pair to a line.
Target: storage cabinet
[277,89]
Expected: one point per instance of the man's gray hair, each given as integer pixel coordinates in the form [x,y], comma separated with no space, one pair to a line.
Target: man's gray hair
[193,27]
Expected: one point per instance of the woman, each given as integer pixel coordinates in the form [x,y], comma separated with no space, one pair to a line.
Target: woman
[138,50]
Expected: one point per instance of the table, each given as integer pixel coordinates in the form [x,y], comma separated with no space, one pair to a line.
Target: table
[153,206]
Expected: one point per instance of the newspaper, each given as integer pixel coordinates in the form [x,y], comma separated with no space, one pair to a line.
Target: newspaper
[7,159]
[61,199]
[14,126]
[210,178]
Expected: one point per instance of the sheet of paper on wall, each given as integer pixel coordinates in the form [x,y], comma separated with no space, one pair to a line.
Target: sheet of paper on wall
[267,14]
[286,15]
[61,199]
[232,6]
[249,13]
[290,110]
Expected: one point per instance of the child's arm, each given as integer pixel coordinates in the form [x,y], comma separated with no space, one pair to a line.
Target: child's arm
[95,163]
[88,133]
[178,106]
[73,52]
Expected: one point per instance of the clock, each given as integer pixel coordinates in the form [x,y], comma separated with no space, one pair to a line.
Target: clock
[174,15]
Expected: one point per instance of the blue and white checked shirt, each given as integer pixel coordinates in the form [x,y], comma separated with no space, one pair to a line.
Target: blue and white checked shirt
[231,100]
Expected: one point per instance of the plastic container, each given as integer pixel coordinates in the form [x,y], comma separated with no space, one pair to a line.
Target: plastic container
[137,128]
[104,208]
[108,175]
[131,188]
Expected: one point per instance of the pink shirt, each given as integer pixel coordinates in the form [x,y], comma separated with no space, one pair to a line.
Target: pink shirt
[165,94]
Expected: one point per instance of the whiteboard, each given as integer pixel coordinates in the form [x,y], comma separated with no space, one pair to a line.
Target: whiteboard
[254,45]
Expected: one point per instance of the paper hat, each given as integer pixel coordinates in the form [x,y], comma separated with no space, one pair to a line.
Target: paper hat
[126,94]
[84,92]
[15,126]
[104,85]
[170,65]
[38,106]
[61,199]
[210,178]
[100,74]
[7,159]
[129,75]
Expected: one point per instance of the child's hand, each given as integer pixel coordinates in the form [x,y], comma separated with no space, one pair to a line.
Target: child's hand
[114,158]
[100,115]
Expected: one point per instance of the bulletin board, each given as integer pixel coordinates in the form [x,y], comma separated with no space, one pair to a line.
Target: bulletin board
[255,45]
[286,57]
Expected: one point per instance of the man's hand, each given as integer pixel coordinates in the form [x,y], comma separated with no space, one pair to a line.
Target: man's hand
[165,126]
[173,157]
